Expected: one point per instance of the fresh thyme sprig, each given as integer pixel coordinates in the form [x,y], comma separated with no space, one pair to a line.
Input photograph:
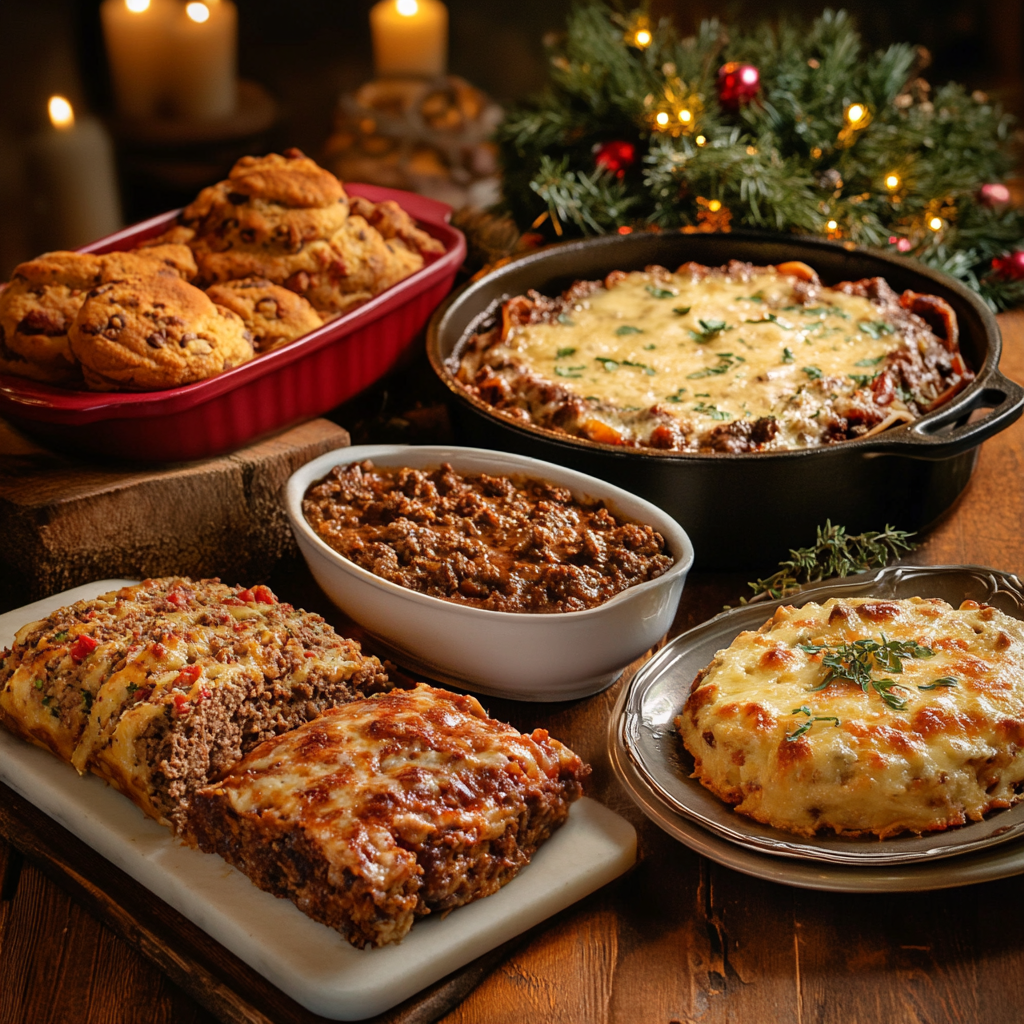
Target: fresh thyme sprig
[854,663]
[811,719]
[835,553]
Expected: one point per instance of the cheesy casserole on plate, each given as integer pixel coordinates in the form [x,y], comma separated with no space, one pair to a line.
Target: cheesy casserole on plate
[864,716]
[732,359]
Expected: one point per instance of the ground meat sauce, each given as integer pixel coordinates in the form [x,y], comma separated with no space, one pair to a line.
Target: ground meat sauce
[510,545]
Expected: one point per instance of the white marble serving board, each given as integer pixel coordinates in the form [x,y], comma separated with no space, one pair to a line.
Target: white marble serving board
[310,962]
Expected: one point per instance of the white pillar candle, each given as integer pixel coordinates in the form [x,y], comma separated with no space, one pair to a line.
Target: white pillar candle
[202,60]
[135,32]
[410,37]
[72,168]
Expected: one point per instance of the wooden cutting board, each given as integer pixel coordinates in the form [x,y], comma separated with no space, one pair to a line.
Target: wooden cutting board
[66,521]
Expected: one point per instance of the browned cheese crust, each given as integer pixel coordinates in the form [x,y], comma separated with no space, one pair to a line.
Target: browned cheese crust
[717,359]
[159,686]
[389,808]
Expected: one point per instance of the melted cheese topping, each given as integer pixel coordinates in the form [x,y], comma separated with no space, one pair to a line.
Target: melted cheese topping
[710,350]
[953,752]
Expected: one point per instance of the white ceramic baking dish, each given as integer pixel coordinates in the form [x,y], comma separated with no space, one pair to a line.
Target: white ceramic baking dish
[524,656]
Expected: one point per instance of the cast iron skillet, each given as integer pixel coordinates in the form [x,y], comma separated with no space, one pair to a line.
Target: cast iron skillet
[747,510]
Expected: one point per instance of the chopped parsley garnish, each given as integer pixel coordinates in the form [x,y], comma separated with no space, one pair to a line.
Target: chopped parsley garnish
[676,396]
[904,395]
[131,688]
[628,329]
[870,362]
[650,348]
[565,320]
[38,684]
[813,372]
[568,351]
[649,370]
[710,329]
[822,311]
[756,297]
[681,310]
[943,682]
[726,361]
[611,365]
[712,411]
[787,356]
[54,713]
[62,635]
[854,663]
[660,293]
[46,700]
[569,371]
[875,328]
[811,719]
[87,699]
[862,379]
[771,318]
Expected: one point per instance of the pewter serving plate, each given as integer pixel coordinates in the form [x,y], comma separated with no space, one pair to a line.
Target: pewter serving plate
[644,726]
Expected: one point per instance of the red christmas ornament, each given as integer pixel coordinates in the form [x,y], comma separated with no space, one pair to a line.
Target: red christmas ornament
[737,84]
[615,156]
[1009,267]
[994,194]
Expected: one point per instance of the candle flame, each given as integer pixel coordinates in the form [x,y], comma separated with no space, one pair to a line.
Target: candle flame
[137,6]
[198,12]
[407,8]
[62,114]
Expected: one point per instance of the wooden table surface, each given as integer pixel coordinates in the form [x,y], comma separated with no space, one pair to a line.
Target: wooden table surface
[678,939]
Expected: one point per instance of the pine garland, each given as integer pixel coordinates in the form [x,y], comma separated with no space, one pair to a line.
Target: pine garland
[792,159]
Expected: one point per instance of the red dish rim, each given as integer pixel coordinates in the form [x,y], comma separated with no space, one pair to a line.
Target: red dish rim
[39,401]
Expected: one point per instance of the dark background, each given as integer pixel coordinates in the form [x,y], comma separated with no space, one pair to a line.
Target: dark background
[306,52]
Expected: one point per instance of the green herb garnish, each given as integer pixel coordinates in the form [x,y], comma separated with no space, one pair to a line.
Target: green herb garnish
[610,365]
[875,328]
[862,379]
[650,348]
[813,372]
[649,370]
[660,293]
[834,553]
[131,688]
[870,362]
[822,311]
[787,356]
[713,411]
[756,297]
[627,329]
[811,719]
[726,361]
[87,699]
[38,684]
[567,371]
[943,682]
[771,318]
[681,310]
[563,352]
[62,635]
[854,663]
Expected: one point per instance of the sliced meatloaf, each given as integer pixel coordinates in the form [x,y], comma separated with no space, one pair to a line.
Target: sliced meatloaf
[384,809]
[160,686]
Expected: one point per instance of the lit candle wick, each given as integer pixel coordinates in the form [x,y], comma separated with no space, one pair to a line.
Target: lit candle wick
[407,8]
[137,6]
[200,12]
[62,114]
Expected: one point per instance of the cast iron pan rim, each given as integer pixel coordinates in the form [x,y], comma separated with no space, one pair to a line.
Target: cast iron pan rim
[965,400]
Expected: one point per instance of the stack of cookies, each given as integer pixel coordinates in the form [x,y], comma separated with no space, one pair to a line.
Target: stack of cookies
[255,262]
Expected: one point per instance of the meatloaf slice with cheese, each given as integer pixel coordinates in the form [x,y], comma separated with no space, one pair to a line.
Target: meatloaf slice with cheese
[160,686]
[388,808]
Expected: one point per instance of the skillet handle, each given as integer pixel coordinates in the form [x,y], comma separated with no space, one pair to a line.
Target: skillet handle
[921,440]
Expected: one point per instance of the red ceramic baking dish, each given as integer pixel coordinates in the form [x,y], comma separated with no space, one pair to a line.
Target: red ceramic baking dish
[294,383]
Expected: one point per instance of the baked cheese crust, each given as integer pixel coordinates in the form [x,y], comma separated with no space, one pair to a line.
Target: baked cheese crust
[731,359]
[389,808]
[864,716]
[158,686]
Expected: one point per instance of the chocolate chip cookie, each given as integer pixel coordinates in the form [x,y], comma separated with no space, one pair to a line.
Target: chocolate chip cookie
[274,315]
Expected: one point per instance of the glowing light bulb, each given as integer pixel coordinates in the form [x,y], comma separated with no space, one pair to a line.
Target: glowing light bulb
[892,182]
[642,38]
[407,8]
[832,225]
[137,6]
[62,114]
[662,119]
[198,12]
[856,113]
[715,205]
[935,223]
[749,76]
[686,116]
[701,140]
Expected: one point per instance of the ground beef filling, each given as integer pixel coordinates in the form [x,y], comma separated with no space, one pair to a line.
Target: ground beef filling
[493,542]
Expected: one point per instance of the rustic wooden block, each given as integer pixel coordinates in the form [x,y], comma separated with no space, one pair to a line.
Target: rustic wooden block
[64,522]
